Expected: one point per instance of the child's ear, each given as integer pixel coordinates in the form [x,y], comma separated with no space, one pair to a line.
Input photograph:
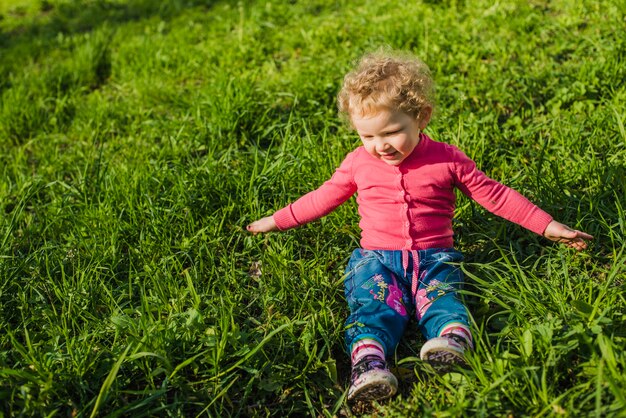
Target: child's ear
[424,117]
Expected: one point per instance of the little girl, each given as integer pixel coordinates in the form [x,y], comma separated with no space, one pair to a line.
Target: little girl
[405,185]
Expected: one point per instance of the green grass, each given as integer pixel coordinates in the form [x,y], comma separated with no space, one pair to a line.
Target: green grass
[138,138]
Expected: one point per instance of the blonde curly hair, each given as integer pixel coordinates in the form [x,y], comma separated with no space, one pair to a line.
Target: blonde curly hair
[387,80]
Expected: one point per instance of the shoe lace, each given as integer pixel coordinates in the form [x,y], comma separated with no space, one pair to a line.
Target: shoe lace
[366,364]
[458,339]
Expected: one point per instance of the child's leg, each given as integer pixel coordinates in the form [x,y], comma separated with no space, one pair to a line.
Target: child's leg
[439,309]
[442,317]
[376,323]
[378,315]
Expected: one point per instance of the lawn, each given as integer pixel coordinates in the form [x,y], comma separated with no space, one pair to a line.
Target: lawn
[138,138]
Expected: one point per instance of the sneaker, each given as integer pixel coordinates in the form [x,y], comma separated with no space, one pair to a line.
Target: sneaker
[371,380]
[443,353]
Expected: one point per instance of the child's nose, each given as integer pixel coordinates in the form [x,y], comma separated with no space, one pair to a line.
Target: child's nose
[382,146]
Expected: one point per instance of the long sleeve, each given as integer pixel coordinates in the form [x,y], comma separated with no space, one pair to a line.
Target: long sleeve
[320,202]
[498,198]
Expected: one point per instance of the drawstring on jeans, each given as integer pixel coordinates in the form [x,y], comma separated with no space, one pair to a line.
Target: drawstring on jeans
[414,276]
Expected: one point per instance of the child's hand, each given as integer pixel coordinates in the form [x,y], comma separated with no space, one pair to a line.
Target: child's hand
[266,224]
[556,231]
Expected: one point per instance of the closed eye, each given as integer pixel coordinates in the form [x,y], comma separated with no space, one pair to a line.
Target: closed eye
[392,132]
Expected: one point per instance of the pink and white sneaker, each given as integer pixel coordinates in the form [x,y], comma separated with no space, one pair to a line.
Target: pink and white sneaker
[445,352]
[371,380]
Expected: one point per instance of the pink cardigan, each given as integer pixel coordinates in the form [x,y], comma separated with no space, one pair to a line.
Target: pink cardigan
[410,206]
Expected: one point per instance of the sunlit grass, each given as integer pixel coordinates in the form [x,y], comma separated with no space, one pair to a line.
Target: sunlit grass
[138,138]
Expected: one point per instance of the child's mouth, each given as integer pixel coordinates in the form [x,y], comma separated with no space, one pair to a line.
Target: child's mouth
[390,156]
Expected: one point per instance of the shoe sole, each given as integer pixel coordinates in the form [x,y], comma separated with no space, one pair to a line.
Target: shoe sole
[383,386]
[442,355]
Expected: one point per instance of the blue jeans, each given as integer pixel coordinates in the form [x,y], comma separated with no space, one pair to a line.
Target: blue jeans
[383,288]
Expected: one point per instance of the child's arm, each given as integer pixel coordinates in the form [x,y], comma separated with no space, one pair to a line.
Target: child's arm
[312,205]
[573,238]
[511,205]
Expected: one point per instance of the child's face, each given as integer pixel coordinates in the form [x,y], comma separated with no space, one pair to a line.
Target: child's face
[389,135]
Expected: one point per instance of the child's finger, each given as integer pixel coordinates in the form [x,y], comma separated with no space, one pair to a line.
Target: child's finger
[584,235]
[578,245]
